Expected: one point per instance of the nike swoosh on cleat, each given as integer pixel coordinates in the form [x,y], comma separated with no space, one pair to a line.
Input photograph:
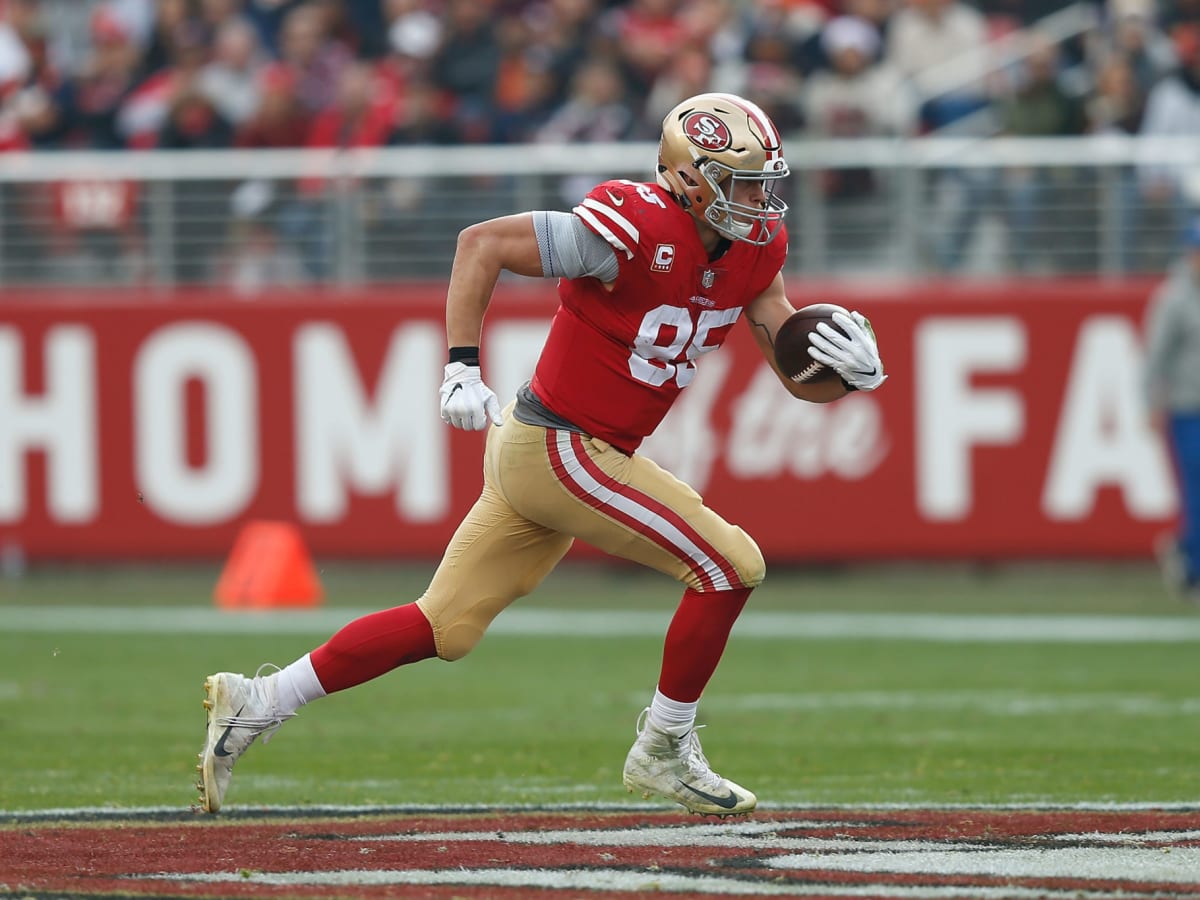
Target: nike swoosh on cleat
[724,802]
[220,750]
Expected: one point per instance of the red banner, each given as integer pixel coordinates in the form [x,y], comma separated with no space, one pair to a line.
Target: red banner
[1011,426]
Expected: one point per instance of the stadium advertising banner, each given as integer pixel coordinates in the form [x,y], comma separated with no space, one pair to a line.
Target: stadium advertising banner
[1012,426]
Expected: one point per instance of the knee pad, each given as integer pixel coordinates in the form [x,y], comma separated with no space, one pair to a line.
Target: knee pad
[748,561]
[457,626]
[457,641]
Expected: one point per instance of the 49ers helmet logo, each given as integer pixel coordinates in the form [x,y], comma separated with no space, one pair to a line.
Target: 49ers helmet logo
[707,132]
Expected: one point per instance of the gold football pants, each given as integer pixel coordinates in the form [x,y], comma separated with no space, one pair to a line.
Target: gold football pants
[545,487]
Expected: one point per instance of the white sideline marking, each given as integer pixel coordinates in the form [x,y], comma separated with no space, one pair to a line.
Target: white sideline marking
[621,880]
[358,810]
[994,703]
[1147,864]
[763,837]
[1074,629]
[1180,866]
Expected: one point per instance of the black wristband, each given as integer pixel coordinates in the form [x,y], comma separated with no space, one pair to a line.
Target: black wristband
[467,355]
[847,385]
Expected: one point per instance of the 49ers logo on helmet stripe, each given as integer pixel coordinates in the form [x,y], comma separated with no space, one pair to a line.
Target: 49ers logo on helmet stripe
[707,132]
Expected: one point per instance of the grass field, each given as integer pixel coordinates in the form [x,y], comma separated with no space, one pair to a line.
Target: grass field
[113,717]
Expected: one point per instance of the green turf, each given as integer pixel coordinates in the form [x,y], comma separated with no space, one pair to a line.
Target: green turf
[1074,587]
[116,719]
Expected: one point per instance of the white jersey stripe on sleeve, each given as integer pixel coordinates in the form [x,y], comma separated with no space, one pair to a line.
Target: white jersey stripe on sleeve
[603,230]
[615,217]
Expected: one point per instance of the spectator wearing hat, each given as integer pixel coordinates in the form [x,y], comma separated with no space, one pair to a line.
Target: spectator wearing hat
[857,96]
[1172,391]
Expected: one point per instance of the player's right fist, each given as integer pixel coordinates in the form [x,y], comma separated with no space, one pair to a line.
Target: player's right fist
[467,402]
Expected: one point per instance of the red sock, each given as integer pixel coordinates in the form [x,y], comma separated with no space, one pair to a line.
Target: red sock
[372,645]
[696,639]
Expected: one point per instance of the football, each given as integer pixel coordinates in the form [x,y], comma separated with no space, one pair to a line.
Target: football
[792,343]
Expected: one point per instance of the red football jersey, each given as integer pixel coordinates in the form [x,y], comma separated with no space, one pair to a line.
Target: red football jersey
[616,360]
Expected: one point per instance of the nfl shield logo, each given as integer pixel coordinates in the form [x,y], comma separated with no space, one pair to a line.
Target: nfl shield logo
[707,279]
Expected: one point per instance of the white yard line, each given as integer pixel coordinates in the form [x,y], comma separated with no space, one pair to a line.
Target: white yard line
[995,703]
[633,882]
[411,809]
[1073,629]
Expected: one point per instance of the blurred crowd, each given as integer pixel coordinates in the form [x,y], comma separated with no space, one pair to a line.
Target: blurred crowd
[203,74]
[291,73]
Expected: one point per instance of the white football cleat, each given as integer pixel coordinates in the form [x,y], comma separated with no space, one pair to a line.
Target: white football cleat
[239,710]
[673,766]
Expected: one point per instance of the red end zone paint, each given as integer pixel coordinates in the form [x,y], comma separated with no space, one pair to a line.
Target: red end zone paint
[963,853]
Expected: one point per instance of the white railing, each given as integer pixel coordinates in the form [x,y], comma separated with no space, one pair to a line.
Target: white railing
[960,205]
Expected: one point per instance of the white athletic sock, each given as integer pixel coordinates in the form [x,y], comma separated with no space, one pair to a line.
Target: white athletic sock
[672,715]
[297,685]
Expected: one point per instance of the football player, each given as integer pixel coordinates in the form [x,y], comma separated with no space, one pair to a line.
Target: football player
[651,276]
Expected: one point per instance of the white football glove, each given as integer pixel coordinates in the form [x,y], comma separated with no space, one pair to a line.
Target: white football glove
[467,402]
[853,355]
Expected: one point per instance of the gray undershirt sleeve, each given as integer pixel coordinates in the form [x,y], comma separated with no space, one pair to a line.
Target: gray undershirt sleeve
[569,249]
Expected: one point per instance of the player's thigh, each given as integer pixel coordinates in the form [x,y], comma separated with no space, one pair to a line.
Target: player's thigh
[632,508]
[495,556]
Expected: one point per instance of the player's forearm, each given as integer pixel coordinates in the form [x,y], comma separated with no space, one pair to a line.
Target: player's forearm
[471,283]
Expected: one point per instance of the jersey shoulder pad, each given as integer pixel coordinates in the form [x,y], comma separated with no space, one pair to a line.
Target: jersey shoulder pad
[619,211]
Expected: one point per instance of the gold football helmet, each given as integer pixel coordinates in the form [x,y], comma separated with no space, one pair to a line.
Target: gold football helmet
[709,143]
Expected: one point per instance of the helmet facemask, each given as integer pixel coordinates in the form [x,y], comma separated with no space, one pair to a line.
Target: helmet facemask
[737,220]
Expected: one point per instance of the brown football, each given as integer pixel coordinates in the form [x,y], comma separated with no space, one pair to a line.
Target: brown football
[791,344]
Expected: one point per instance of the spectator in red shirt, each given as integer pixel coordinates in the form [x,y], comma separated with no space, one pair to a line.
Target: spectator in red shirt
[353,121]
[361,116]
[280,120]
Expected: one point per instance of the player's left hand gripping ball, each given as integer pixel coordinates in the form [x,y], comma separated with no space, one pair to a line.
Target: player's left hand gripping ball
[467,402]
[850,351]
